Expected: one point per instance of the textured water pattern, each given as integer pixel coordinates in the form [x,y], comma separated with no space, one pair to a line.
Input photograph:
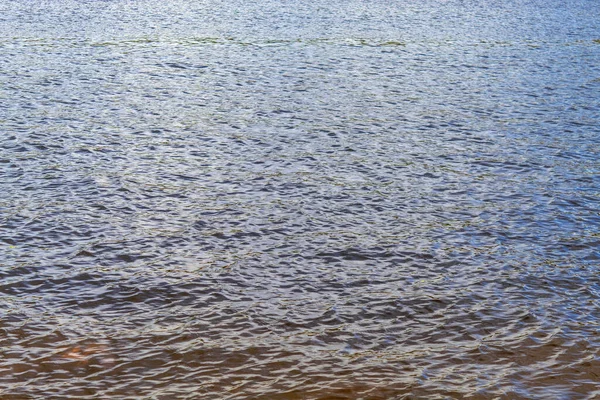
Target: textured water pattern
[300,200]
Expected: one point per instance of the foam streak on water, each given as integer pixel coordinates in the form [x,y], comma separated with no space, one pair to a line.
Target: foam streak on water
[299,200]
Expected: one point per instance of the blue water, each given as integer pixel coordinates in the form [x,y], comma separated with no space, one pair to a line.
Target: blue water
[299,200]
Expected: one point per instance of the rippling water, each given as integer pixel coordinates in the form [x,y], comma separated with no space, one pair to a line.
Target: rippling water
[300,200]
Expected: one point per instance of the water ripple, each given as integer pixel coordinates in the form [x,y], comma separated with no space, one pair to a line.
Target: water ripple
[324,201]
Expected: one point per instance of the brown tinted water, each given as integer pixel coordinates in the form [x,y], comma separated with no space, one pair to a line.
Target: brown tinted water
[299,200]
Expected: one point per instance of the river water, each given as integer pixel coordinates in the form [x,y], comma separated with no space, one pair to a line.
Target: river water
[300,200]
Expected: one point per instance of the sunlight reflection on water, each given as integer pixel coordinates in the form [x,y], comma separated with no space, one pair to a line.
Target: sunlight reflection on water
[299,201]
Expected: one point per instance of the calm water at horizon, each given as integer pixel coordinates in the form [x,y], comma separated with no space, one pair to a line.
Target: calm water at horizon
[299,200]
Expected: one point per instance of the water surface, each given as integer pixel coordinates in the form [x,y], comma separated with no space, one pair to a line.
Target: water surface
[299,200]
